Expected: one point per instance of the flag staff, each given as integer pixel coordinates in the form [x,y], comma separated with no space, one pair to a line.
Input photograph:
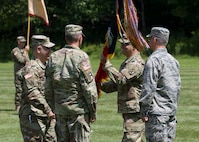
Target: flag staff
[28,31]
[36,8]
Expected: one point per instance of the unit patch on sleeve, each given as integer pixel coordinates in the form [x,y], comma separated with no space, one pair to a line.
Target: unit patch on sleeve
[86,69]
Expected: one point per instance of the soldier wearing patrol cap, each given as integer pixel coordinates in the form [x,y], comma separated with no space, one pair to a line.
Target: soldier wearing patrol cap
[161,89]
[127,82]
[37,121]
[20,57]
[71,89]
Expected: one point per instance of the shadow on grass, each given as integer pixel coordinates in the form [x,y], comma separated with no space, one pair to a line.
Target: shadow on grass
[7,110]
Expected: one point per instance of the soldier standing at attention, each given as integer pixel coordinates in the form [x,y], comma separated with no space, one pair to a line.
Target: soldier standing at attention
[71,88]
[20,58]
[127,82]
[161,89]
[37,121]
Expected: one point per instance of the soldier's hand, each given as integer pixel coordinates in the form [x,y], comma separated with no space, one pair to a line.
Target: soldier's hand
[145,119]
[27,47]
[92,118]
[51,115]
[103,59]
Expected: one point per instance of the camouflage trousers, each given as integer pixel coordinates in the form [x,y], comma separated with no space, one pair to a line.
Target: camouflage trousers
[74,128]
[17,100]
[37,129]
[133,128]
[18,93]
[160,128]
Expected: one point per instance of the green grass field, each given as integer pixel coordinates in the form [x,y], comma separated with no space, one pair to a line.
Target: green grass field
[108,127]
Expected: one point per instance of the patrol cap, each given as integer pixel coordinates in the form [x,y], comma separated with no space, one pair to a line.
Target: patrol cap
[124,39]
[21,38]
[41,40]
[159,32]
[72,29]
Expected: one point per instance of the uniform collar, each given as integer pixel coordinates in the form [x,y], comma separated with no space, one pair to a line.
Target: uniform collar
[40,64]
[73,47]
[160,50]
[132,57]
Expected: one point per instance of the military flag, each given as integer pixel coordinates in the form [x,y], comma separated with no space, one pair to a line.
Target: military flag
[131,26]
[128,26]
[37,8]
[109,46]
[108,52]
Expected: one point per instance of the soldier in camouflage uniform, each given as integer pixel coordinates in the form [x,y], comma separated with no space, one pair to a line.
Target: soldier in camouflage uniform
[20,58]
[37,121]
[71,89]
[161,89]
[18,86]
[127,82]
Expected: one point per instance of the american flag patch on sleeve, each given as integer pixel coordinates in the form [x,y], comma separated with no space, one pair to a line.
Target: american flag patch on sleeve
[28,76]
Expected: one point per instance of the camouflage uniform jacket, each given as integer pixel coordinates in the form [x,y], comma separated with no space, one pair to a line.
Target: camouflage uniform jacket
[70,85]
[19,79]
[127,81]
[19,58]
[33,99]
[161,84]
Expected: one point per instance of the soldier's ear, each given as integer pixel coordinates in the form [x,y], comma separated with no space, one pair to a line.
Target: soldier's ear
[39,48]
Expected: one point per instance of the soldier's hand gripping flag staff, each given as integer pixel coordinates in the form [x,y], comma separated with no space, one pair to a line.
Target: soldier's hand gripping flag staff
[36,8]
[130,29]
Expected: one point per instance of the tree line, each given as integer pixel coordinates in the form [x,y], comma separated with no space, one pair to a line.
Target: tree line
[179,16]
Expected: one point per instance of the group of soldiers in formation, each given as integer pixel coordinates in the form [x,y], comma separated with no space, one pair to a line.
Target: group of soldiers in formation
[56,94]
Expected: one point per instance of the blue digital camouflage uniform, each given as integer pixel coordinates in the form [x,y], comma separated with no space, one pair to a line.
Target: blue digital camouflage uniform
[34,122]
[159,97]
[71,92]
[127,81]
[20,58]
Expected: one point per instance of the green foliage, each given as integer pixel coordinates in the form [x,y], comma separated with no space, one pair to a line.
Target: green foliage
[5,50]
[186,11]
[180,16]
[194,43]
[95,50]
[13,17]
[179,44]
